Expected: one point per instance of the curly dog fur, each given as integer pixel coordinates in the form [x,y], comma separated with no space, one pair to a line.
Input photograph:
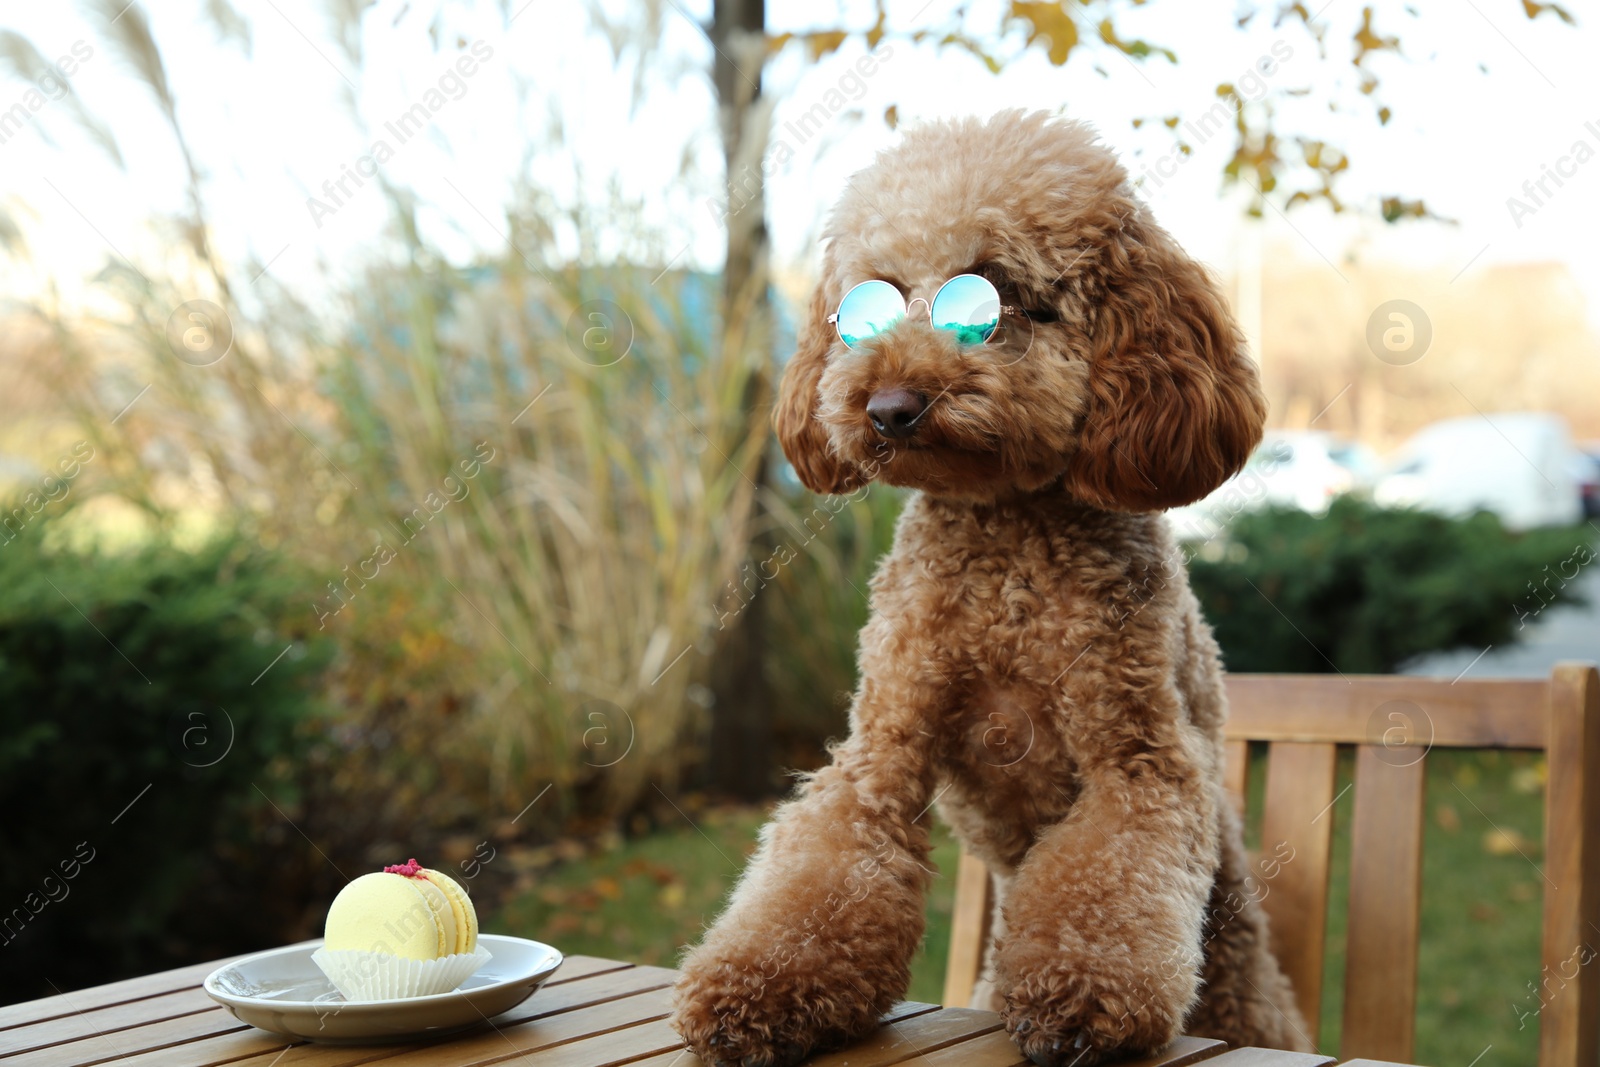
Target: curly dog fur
[1035,664]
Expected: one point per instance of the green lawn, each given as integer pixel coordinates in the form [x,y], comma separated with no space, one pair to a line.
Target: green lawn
[1481,896]
[645,898]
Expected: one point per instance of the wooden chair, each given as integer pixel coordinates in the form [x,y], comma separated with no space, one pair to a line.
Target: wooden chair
[1393,722]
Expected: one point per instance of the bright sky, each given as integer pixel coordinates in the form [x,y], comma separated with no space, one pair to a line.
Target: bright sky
[271,129]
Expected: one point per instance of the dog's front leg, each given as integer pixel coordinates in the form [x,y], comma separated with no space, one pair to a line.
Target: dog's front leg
[817,940]
[1104,920]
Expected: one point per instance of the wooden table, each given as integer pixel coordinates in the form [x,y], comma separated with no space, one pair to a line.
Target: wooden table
[592,1012]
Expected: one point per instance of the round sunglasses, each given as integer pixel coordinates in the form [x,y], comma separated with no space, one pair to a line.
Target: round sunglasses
[967,305]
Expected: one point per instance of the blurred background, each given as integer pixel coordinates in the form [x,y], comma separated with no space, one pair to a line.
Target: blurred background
[384,462]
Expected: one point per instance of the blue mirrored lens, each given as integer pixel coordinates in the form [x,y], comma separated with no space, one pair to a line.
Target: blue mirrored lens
[869,309]
[969,307]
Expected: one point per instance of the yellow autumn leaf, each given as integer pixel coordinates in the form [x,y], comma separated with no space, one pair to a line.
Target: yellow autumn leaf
[1502,842]
[1530,779]
[1048,22]
[823,42]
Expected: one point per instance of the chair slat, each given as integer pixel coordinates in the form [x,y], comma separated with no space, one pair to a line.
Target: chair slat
[969,930]
[1485,713]
[1303,719]
[1380,983]
[1569,1021]
[1236,774]
[1298,813]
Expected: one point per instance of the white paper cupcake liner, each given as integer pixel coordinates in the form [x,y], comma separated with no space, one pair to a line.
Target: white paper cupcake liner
[382,976]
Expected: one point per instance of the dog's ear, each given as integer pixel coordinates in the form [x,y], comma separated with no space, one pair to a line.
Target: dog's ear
[1174,402]
[804,439]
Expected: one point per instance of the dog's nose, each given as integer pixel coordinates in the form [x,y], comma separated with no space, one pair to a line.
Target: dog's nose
[894,412]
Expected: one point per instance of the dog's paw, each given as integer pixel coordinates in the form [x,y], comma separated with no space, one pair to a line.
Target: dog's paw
[730,1051]
[1060,1020]
[769,1023]
[1047,1050]
[724,1043]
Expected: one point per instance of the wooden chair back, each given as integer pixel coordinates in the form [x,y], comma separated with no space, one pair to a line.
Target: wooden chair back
[1393,722]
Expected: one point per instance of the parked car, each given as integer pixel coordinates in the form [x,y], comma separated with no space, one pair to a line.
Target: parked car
[1521,466]
[1588,472]
[1305,469]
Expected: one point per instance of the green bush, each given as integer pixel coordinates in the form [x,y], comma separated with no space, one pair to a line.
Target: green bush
[141,734]
[1364,589]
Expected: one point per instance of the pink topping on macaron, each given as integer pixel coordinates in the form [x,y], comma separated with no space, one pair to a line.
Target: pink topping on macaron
[411,869]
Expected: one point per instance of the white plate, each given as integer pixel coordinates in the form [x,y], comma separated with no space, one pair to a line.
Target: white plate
[284,992]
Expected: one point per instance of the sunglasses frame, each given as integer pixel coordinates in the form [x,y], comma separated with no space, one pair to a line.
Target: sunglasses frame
[1005,309]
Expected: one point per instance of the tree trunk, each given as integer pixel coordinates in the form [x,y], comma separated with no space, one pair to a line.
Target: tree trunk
[741,735]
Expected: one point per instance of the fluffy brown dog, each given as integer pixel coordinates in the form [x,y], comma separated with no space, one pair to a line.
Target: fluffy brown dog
[1035,663]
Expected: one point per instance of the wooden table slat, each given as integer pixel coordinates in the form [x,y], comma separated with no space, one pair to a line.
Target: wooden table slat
[595,989]
[1182,1052]
[129,1015]
[74,1002]
[1265,1057]
[996,1049]
[575,967]
[592,1013]
[599,1051]
[992,1048]
[485,1046]
[590,985]
[911,1039]
[625,1045]
[207,1051]
[122,1044]
[147,987]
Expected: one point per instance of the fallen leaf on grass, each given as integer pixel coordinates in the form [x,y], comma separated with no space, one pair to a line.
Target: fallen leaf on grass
[1502,842]
[563,923]
[1529,779]
[657,872]
[524,858]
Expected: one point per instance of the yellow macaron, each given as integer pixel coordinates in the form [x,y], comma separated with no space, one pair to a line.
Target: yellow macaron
[465,915]
[407,910]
